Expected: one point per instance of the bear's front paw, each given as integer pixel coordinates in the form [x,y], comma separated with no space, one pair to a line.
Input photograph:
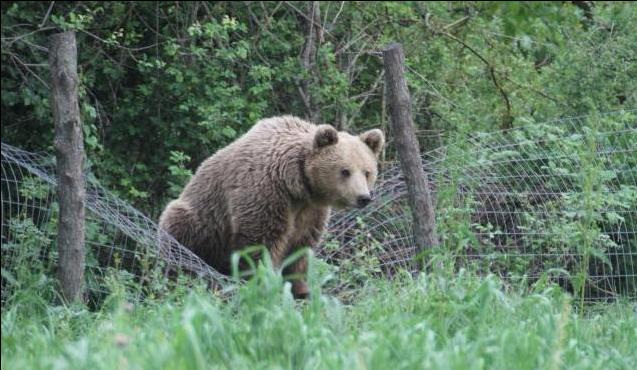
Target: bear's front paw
[300,290]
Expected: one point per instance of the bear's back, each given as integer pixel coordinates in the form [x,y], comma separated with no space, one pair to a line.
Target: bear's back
[277,131]
[270,144]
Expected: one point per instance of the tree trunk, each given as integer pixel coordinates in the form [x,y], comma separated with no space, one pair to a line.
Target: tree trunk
[69,151]
[402,126]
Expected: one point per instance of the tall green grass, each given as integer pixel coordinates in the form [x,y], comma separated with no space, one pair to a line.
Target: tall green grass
[434,321]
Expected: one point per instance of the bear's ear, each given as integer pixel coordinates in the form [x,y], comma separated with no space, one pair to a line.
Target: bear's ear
[374,139]
[325,135]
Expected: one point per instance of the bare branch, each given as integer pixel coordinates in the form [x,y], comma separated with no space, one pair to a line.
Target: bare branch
[455,23]
[24,65]
[317,24]
[338,14]
[117,45]
[507,119]
[46,16]
[11,40]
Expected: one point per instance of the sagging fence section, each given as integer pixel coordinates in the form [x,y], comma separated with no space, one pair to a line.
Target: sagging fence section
[554,200]
[119,239]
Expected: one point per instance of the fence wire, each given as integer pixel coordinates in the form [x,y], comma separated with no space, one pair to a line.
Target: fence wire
[554,200]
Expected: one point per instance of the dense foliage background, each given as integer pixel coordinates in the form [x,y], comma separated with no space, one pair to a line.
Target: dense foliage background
[165,84]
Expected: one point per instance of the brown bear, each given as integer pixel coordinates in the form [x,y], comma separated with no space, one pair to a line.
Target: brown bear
[273,186]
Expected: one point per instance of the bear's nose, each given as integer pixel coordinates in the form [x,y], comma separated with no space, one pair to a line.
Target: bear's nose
[363,200]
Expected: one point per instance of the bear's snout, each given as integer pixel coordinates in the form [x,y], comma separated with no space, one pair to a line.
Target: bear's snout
[363,200]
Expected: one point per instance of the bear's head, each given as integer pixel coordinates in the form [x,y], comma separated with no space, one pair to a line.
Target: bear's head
[342,168]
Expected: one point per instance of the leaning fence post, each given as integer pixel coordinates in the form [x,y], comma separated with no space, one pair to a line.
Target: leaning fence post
[69,152]
[419,196]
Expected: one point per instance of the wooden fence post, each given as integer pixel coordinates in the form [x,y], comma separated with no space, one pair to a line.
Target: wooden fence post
[419,196]
[69,152]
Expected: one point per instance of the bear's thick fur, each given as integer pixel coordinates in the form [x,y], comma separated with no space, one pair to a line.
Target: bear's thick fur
[274,186]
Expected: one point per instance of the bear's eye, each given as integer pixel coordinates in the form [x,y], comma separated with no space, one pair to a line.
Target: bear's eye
[367,174]
[345,173]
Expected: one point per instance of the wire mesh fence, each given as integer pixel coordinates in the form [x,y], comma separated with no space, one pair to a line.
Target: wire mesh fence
[119,239]
[554,200]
